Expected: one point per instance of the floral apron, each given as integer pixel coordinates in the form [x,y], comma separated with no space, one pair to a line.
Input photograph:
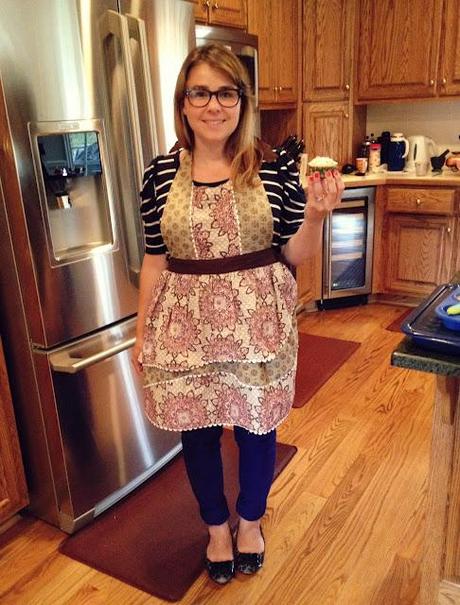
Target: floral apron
[219,349]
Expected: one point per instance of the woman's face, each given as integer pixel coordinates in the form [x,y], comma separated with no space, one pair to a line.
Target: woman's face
[212,124]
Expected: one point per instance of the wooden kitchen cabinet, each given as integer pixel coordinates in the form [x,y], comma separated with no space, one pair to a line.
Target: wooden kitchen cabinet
[449,72]
[419,253]
[333,125]
[231,13]
[421,201]
[326,128]
[309,281]
[329,129]
[420,240]
[276,25]
[13,491]
[327,49]
[408,49]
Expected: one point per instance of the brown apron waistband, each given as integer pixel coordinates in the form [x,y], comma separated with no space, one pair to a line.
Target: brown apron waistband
[227,264]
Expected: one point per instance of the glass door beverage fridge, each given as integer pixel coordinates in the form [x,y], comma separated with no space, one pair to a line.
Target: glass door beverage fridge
[348,247]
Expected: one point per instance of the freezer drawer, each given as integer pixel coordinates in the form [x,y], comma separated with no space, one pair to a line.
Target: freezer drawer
[109,446]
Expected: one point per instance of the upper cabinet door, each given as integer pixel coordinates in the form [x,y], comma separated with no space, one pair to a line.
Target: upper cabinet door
[286,49]
[201,10]
[327,49]
[327,130]
[231,13]
[228,12]
[398,49]
[276,25]
[260,22]
[449,71]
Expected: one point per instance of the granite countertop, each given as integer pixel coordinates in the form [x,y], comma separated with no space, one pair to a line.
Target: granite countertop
[447,178]
[411,356]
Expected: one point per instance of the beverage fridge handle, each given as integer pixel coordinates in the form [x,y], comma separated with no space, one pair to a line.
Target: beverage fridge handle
[327,252]
[63,361]
[116,25]
[137,32]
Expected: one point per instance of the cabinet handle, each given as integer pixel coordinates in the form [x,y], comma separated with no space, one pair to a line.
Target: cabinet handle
[448,230]
[346,116]
[275,88]
[347,87]
[280,88]
[431,82]
[444,81]
[215,6]
[418,201]
[206,3]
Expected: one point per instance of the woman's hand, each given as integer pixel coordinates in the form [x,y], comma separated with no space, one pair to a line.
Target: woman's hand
[135,355]
[323,195]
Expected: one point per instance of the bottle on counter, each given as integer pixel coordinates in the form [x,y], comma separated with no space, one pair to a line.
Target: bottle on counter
[362,160]
[364,149]
[374,156]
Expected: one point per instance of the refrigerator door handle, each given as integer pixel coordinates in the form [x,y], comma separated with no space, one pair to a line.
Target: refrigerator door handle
[137,32]
[63,361]
[116,25]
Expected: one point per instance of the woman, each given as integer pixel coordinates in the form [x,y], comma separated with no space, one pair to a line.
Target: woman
[216,332]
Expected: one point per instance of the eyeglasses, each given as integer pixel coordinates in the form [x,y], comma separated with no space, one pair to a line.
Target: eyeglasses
[200,97]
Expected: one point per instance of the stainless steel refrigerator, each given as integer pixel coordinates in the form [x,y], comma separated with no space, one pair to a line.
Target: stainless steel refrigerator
[88,88]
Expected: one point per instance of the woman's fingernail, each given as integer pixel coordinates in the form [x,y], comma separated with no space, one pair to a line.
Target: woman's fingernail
[328,173]
[336,172]
[316,175]
[311,178]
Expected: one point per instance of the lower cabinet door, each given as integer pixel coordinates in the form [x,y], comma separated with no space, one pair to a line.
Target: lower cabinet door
[13,491]
[308,277]
[419,253]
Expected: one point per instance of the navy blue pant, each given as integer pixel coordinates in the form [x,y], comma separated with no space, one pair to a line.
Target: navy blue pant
[203,462]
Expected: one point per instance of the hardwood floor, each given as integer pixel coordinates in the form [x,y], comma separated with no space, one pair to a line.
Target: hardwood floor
[345,520]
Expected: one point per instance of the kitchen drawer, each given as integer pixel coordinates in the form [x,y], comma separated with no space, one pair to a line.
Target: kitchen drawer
[423,201]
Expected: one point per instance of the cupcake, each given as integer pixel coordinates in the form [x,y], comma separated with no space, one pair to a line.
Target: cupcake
[321,164]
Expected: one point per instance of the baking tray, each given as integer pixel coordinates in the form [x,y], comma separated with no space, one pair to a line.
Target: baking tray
[426,328]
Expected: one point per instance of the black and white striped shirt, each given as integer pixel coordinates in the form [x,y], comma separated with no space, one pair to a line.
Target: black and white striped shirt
[280,179]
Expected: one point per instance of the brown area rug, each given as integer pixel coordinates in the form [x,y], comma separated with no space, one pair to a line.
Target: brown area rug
[318,358]
[154,539]
[395,325]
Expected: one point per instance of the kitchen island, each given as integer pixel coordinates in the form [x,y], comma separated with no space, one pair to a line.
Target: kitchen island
[440,570]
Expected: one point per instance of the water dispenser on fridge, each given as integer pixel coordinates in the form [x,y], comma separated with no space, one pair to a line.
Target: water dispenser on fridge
[77,207]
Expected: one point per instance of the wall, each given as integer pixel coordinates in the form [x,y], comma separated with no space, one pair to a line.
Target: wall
[439,120]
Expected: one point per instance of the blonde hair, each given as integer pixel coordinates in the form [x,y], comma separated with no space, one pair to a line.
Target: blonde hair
[242,148]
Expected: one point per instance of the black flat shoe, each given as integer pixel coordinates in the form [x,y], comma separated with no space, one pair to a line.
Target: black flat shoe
[249,562]
[220,571]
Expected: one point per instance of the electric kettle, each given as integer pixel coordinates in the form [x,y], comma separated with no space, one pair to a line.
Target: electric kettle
[421,149]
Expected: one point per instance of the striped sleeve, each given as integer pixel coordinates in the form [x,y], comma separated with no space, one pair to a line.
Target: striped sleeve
[292,212]
[149,212]
[156,184]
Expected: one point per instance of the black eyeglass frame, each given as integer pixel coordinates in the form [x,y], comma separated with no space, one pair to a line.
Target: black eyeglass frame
[214,93]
